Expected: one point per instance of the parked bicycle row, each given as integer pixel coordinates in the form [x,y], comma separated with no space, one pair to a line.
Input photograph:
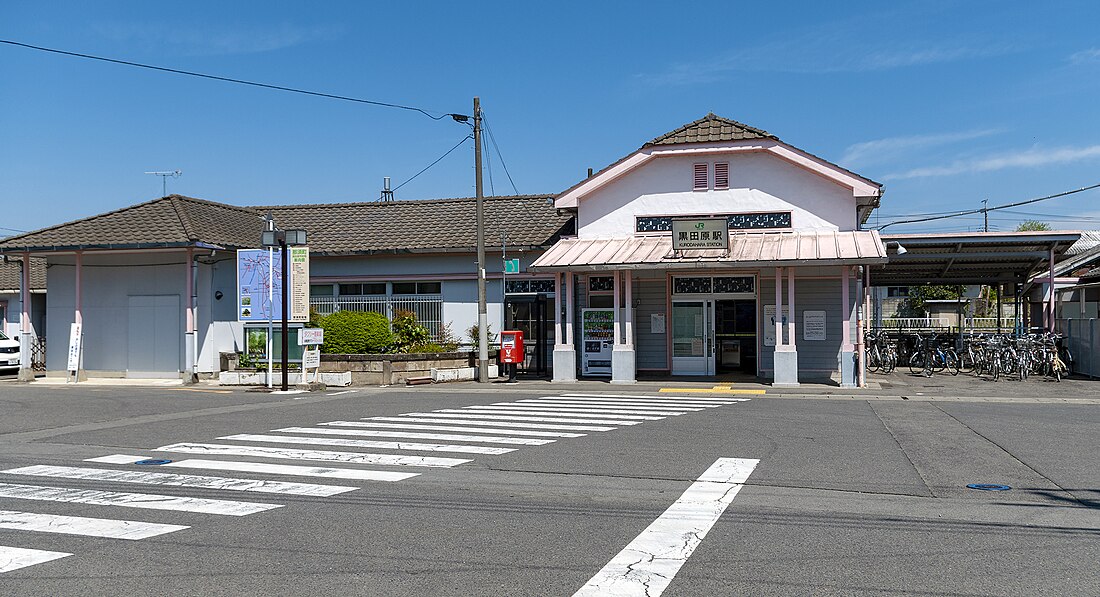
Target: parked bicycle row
[991,356]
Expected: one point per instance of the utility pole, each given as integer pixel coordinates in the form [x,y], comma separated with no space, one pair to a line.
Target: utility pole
[985,212]
[482,310]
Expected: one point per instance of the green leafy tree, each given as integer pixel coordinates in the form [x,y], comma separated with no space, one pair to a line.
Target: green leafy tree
[1032,225]
[919,294]
[408,334]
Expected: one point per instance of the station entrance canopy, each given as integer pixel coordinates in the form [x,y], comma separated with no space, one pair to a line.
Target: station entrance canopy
[970,258]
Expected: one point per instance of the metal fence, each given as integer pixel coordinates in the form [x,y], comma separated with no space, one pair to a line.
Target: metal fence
[428,309]
[1082,337]
[913,323]
[990,323]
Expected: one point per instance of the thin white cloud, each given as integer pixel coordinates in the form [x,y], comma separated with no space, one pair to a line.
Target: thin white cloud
[1028,158]
[879,150]
[215,40]
[1085,56]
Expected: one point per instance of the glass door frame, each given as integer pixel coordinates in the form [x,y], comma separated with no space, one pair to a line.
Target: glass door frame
[703,365]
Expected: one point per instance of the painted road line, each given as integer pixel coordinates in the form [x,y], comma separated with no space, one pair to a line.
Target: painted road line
[14,558]
[648,564]
[266,468]
[293,454]
[87,527]
[631,406]
[656,398]
[342,393]
[568,408]
[365,443]
[447,414]
[132,500]
[197,481]
[655,402]
[449,437]
[454,428]
[710,391]
[548,411]
[490,423]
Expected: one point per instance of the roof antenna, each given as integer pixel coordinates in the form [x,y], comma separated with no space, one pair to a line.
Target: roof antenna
[387,193]
[164,179]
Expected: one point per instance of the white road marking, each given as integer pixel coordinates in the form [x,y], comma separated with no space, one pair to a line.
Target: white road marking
[344,392]
[662,398]
[503,417]
[450,437]
[365,443]
[266,468]
[628,402]
[454,428]
[648,564]
[199,481]
[88,527]
[545,411]
[568,408]
[491,423]
[14,558]
[292,454]
[632,406]
[132,500]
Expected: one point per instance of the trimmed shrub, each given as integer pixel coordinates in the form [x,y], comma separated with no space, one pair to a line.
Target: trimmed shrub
[356,332]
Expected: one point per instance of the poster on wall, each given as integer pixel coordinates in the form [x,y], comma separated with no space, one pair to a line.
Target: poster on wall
[813,325]
[769,323]
[657,323]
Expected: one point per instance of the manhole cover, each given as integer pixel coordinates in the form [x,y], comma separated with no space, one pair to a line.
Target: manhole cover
[989,486]
[153,461]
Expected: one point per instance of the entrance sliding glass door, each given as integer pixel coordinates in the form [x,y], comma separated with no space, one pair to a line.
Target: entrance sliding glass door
[692,337]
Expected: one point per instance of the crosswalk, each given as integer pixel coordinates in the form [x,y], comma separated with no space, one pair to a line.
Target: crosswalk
[399,447]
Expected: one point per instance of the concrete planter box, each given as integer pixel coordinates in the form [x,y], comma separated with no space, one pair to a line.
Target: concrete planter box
[390,369]
[243,377]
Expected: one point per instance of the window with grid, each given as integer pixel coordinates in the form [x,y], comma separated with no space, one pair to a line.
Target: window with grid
[417,287]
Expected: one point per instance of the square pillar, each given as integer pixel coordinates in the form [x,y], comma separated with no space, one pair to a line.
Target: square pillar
[622,353]
[785,357]
[565,354]
[847,349]
[189,356]
[78,316]
[26,372]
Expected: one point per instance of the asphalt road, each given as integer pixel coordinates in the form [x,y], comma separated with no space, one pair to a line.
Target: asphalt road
[850,497]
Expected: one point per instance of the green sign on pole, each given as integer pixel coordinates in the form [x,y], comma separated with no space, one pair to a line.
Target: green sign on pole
[511,266]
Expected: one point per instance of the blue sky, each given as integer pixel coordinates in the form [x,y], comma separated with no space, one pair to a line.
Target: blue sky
[946,103]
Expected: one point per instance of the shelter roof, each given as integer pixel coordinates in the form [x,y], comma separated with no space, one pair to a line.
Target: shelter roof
[423,226]
[11,272]
[970,258]
[822,248]
[172,221]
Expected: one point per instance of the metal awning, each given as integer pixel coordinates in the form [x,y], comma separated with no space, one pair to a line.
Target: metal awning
[969,258]
[819,248]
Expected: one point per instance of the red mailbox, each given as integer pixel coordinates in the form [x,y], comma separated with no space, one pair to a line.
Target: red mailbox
[511,347]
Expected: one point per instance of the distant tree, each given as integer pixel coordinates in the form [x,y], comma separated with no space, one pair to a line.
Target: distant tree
[1032,225]
[919,294]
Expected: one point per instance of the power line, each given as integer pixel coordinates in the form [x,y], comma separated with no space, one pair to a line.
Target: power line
[457,117]
[437,160]
[989,209]
[500,157]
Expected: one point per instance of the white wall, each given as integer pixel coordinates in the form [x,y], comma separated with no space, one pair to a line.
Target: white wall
[758,182]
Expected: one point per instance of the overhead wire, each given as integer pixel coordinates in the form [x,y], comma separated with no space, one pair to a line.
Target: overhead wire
[437,160]
[989,209]
[493,140]
[231,80]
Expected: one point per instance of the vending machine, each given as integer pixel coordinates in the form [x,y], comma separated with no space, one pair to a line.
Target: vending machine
[597,341]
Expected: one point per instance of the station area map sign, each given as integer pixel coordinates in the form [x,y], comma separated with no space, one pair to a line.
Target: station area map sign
[259,285]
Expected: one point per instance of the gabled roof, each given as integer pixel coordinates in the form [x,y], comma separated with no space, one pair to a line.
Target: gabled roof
[434,225]
[172,221]
[710,128]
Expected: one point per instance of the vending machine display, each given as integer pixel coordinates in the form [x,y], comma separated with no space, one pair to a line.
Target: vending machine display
[597,340]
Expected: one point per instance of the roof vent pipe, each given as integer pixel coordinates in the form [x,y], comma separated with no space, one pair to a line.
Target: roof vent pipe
[387,193]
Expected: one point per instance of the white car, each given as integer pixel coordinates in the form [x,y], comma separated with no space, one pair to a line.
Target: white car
[9,352]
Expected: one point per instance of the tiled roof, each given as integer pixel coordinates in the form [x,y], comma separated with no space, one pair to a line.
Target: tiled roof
[10,272]
[169,221]
[426,225]
[710,128]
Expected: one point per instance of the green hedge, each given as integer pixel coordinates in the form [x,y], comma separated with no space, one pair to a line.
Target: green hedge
[356,332]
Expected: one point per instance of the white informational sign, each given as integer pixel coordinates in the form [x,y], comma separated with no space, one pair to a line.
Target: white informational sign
[311,337]
[299,284]
[700,233]
[75,338]
[813,325]
[311,359]
[657,323]
[769,323]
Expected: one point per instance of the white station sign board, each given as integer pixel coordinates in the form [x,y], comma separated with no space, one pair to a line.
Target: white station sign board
[700,233]
[311,336]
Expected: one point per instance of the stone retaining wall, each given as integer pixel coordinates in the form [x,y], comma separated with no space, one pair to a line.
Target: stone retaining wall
[389,369]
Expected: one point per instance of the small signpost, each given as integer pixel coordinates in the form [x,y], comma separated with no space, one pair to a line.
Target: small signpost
[76,338]
[312,339]
[511,266]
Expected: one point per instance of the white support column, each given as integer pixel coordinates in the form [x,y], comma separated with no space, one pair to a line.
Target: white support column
[78,315]
[778,307]
[188,372]
[622,353]
[791,330]
[565,353]
[1050,299]
[628,308]
[26,372]
[570,308]
[785,357]
[847,349]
